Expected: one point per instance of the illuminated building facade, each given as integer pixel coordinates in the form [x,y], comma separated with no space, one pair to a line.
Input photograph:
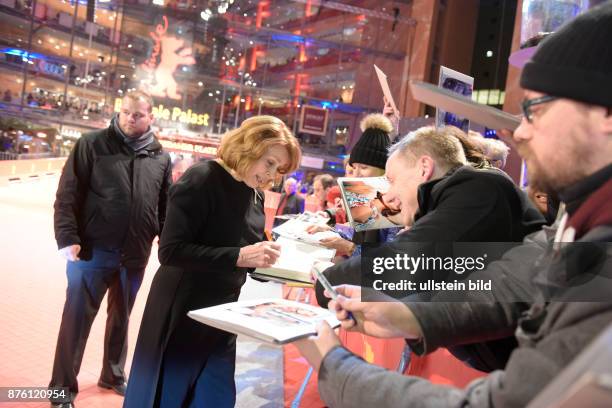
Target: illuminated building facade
[209,64]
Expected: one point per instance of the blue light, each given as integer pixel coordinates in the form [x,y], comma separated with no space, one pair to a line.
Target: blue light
[22,53]
[288,37]
[341,107]
[490,133]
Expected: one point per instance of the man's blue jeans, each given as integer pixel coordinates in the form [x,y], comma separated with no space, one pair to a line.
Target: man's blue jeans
[88,282]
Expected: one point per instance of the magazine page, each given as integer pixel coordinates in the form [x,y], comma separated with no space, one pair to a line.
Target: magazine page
[273,320]
[296,229]
[296,260]
[364,199]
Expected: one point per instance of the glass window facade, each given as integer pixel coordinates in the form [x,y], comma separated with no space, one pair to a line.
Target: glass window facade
[208,64]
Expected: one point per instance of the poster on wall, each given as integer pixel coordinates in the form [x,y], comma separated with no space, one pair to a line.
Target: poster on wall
[313,120]
[458,83]
[168,52]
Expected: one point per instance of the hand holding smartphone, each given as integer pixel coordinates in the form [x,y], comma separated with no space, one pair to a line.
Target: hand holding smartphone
[328,287]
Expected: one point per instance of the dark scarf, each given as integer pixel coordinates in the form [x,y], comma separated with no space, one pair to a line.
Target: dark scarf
[134,143]
[588,201]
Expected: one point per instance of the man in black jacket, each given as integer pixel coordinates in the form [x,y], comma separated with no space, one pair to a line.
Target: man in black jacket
[442,200]
[290,201]
[110,204]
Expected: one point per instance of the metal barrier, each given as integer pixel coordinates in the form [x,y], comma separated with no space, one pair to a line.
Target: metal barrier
[20,170]
[25,156]
[8,156]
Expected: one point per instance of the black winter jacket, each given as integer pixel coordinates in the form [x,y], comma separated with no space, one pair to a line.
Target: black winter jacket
[466,205]
[110,197]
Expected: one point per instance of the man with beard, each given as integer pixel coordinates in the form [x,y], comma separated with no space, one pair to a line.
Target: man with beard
[566,139]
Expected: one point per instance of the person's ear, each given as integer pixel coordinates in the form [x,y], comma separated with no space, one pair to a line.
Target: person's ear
[427,168]
[607,122]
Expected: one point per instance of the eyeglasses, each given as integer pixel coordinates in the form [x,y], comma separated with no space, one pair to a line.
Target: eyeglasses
[386,211]
[528,103]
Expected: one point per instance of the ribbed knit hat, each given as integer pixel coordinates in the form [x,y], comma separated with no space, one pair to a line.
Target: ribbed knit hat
[372,147]
[576,61]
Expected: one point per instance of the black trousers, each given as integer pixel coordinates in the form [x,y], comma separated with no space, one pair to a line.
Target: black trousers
[88,282]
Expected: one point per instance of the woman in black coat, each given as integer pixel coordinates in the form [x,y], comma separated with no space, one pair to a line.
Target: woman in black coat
[212,236]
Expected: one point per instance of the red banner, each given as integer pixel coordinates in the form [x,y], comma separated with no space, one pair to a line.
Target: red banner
[313,120]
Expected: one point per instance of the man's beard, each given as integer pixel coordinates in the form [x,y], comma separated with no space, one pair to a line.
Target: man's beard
[537,177]
[546,178]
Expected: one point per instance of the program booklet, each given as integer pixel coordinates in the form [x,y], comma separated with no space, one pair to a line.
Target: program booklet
[295,261]
[384,84]
[276,321]
[364,200]
[460,84]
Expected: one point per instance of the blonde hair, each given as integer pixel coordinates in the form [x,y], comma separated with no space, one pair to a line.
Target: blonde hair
[376,171]
[348,169]
[497,152]
[472,147]
[139,95]
[242,147]
[440,144]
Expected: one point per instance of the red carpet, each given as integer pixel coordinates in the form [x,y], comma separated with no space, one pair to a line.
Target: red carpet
[32,297]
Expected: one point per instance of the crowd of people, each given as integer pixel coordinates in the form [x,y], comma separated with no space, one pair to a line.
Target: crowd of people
[444,186]
[47,100]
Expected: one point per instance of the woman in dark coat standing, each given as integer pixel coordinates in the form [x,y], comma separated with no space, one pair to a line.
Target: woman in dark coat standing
[212,236]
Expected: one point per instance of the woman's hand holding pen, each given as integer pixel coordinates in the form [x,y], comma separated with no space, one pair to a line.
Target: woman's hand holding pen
[260,255]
